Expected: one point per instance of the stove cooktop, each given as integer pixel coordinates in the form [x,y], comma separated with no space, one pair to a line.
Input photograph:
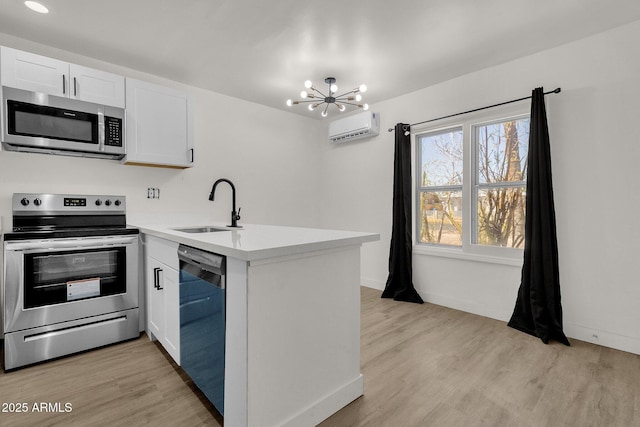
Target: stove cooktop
[54,216]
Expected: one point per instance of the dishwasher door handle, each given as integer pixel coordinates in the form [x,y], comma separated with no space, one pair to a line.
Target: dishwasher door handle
[208,261]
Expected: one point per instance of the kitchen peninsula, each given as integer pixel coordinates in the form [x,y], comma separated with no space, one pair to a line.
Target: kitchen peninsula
[292,317]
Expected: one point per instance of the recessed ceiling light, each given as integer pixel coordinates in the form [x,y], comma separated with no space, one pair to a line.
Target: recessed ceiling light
[36,7]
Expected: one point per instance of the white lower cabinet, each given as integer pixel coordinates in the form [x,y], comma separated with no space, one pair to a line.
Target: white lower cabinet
[163,294]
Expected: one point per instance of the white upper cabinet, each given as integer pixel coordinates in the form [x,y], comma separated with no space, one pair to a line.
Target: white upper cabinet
[24,70]
[96,86]
[28,71]
[159,125]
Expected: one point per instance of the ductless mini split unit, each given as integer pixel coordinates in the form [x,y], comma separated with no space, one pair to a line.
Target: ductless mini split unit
[357,126]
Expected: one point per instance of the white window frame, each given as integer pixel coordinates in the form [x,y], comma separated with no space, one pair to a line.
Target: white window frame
[468,250]
[434,188]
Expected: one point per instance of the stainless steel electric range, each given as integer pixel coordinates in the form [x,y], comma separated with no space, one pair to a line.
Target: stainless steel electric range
[70,276]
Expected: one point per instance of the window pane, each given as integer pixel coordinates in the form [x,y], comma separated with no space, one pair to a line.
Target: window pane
[501,213]
[441,217]
[441,155]
[502,151]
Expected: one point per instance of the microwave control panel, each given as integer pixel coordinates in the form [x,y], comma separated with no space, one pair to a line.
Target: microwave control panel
[113,131]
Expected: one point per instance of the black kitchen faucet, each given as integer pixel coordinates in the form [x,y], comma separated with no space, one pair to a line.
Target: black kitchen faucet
[235,216]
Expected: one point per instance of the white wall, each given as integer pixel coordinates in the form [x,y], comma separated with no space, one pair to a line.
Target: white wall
[270,155]
[595,151]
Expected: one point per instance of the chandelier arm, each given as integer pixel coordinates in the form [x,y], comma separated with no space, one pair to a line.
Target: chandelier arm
[309,100]
[349,103]
[323,95]
[348,93]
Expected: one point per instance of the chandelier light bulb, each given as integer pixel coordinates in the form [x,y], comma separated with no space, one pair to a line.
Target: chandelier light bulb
[334,88]
[303,94]
[324,113]
[308,84]
[341,107]
[289,102]
[363,88]
[365,107]
[358,98]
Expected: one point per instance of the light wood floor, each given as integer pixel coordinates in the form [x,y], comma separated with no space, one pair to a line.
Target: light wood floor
[423,365]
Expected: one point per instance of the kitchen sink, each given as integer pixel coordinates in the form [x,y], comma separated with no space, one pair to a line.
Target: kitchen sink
[203,229]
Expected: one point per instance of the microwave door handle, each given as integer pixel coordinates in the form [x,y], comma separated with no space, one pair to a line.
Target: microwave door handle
[101,133]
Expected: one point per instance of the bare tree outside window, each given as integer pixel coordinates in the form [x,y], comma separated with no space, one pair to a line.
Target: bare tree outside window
[501,150]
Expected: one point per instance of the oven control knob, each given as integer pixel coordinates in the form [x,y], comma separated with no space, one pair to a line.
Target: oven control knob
[24,201]
[117,203]
[107,202]
[37,202]
[98,202]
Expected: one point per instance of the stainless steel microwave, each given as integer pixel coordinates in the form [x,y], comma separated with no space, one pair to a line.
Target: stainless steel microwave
[38,122]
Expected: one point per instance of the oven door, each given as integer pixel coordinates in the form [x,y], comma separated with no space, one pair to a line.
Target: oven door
[58,280]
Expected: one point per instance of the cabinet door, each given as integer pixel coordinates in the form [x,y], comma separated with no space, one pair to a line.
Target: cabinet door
[159,125]
[24,70]
[171,283]
[155,299]
[96,86]
[163,306]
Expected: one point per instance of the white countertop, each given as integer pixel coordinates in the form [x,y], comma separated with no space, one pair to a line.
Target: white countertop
[254,242]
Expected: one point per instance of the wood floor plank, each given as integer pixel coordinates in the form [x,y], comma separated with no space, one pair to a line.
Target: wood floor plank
[423,365]
[132,383]
[465,370]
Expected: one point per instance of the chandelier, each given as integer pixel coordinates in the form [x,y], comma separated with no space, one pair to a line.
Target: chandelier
[315,98]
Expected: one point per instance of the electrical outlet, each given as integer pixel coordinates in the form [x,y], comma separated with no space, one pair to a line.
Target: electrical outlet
[153,193]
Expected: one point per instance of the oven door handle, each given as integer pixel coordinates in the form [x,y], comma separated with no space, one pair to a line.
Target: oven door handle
[80,243]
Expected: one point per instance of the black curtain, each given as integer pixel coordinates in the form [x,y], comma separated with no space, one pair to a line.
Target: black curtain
[400,281]
[538,311]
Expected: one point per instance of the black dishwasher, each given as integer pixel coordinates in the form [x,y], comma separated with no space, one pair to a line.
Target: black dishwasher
[202,321]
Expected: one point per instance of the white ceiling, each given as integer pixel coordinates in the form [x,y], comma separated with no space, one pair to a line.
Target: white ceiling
[263,51]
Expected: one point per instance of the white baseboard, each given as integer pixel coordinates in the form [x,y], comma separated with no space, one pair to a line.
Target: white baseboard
[371,283]
[603,338]
[322,409]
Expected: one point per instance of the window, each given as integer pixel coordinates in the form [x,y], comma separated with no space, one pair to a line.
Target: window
[440,186]
[471,181]
[499,185]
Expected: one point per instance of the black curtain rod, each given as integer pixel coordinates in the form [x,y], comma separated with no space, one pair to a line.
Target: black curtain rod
[557,90]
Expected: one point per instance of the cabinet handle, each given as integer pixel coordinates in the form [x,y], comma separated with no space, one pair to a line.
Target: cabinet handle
[156,278]
[192,155]
[64,85]
[75,87]
[158,287]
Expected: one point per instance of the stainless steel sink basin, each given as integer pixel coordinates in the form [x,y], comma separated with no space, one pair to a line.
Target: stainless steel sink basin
[204,229]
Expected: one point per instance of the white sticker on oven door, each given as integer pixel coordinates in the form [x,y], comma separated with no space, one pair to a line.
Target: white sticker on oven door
[79,289]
